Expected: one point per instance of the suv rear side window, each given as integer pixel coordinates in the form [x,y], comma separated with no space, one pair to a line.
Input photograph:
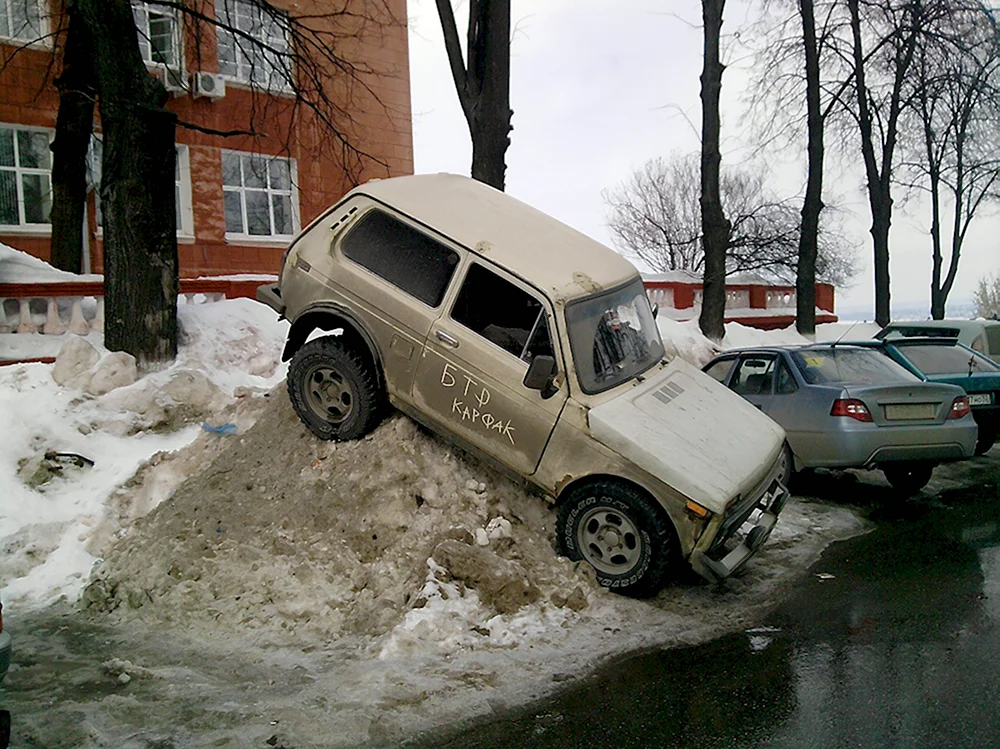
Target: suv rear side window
[503,314]
[993,338]
[403,256]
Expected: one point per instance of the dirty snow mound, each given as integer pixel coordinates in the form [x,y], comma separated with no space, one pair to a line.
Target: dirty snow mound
[291,537]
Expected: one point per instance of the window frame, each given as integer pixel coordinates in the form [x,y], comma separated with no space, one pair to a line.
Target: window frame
[544,313]
[23,227]
[245,237]
[176,37]
[729,360]
[182,187]
[226,12]
[38,40]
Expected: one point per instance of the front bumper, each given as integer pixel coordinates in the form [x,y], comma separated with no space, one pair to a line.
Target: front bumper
[741,532]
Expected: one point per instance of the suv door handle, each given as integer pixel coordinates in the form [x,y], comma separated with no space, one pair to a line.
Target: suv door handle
[446,339]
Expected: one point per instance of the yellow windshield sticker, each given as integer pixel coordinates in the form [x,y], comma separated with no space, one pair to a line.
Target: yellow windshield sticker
[814,361]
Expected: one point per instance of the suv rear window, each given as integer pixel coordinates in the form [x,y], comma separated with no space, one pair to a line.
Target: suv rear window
[408,259]
[939,360]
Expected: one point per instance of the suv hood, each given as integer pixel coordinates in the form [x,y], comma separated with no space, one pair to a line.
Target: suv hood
[692,433]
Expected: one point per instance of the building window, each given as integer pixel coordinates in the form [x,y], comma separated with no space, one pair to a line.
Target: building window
[159,33]
[182,186]
[259,197]
[25,176]
[21,20]
[260,54]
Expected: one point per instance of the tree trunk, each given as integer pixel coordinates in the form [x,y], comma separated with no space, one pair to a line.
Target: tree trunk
[715,228]
[74,124]
[137,190]
[812,204]
[483,85]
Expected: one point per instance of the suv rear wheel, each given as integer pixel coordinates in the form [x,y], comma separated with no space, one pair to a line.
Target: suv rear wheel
[334,390]
[618,531]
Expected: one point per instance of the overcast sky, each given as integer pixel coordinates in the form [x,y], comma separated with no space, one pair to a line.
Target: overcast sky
[600,86]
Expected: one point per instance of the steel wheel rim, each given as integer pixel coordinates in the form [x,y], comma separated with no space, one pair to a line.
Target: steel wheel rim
[329,394]
[609,540]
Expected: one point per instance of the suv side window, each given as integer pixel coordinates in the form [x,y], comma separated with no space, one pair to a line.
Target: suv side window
[503,314]
[403,256]
[993,338]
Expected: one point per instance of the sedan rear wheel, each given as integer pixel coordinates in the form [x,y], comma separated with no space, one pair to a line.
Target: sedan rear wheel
[908,478]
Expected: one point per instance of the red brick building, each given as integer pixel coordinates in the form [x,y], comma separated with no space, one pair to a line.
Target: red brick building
[239,199]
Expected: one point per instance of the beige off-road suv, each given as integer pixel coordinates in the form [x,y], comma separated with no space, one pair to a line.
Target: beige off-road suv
[522,340]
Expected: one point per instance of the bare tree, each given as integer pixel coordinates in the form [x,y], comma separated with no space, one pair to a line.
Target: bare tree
[986,297]
[655,217]
[957,107]
[483,82]
[714,225]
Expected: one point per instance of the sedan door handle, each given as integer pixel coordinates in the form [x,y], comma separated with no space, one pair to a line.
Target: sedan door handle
[446,339]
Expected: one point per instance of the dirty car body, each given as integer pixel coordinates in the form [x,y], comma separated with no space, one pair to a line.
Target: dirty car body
[524,341]
[847,406]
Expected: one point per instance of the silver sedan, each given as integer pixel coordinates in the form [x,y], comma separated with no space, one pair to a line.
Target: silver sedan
[848,407]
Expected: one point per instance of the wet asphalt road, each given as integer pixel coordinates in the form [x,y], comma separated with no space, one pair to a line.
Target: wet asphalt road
[893,640]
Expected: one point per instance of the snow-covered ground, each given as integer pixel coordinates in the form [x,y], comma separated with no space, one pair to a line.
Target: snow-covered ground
[268,537]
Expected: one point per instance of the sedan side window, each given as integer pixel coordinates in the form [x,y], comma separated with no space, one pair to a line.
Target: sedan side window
[720,369]
[503,314]
[786,380]
[754,376]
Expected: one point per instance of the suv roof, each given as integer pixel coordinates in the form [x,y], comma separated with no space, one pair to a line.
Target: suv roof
[527,242]
[952,328]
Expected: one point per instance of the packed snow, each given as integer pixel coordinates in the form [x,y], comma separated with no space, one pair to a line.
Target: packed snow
[193,500]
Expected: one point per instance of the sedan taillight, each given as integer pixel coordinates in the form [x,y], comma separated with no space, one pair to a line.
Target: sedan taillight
[851,407]
[960,407]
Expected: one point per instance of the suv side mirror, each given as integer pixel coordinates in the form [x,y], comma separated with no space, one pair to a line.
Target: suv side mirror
[540,373]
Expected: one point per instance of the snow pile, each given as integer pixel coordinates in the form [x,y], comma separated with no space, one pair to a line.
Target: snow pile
[287,535]
[20,267]
[143,439]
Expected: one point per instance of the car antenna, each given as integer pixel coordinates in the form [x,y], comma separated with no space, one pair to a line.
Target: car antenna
[844,334]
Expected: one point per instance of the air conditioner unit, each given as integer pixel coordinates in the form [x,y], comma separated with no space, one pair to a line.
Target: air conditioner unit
[211,85]
[172,79]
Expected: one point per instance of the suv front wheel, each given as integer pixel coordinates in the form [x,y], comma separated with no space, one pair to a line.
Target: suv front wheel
[619,532]
[334,390]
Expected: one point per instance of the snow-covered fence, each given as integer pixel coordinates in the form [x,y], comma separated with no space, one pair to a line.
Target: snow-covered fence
[53,308]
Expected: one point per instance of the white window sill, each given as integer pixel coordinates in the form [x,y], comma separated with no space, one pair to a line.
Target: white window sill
[181,238]
[26,231]
[259,241]
[43,44]
[256,87]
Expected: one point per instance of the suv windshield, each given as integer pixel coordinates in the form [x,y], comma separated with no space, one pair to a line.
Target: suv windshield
[613,336]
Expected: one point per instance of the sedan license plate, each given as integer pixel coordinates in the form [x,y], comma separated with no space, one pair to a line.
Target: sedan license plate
[981,399]
[910,411]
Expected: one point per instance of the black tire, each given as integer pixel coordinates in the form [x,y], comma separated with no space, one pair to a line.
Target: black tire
[908,478]
[641,552]
[987,436]
[334,390]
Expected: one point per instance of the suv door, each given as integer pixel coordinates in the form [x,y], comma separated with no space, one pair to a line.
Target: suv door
[395,277]
[470,376]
